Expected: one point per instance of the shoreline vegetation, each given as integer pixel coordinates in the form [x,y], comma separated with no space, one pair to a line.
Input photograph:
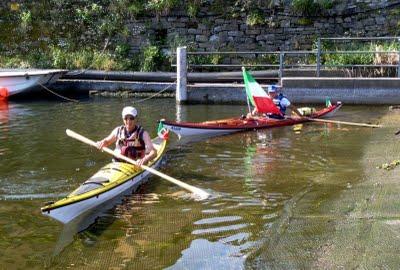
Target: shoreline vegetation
[94,35]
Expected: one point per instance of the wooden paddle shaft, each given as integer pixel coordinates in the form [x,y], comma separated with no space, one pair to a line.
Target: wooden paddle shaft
[344,123]
[199,192]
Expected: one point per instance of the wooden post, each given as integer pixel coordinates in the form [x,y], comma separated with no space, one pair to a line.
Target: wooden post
[181,75]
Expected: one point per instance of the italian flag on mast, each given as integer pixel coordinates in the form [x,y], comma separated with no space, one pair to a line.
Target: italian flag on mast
[257,96]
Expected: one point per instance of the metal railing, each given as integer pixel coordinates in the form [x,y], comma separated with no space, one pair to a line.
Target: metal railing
[318,54]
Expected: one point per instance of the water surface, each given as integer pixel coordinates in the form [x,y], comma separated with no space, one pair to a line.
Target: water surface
[263,183]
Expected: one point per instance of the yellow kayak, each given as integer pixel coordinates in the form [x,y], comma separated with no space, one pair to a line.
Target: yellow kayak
[112,180]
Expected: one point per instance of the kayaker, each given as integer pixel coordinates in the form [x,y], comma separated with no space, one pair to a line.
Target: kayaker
[130,139]
[281,101]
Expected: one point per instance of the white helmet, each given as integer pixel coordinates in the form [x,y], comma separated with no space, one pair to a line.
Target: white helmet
[129,110]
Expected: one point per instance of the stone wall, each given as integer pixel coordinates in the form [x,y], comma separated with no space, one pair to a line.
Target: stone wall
[282,29]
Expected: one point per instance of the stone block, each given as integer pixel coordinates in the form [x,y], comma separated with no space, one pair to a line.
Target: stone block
[202,26]
[205,45]
[217,29]
[252,31]
[235,33]
[201,38]
[260,37]
[193,31]
[285,23]
[380,20]
[214,39]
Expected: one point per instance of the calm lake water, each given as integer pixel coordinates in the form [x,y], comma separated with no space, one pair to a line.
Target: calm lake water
[257,178]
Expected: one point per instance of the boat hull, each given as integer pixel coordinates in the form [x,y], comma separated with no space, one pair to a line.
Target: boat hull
[17,82]
[121,178]
[232,125]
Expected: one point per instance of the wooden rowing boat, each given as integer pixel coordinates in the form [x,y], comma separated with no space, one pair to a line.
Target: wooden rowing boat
[114,179]
[232,125]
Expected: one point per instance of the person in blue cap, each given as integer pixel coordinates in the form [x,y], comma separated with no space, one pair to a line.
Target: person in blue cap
[281,101]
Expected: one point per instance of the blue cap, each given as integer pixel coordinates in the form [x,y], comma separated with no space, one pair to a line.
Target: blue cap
[272,88]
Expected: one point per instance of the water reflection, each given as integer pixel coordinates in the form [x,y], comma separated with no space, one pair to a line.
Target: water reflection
[214,255]
[4,112]
[4,118]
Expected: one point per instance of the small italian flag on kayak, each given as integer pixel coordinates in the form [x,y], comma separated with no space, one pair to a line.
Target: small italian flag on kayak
[328,102]
[162,132]
[257,96]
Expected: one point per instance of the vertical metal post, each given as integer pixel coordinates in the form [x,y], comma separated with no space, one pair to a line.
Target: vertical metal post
[181,75]
[318,57]
[398,63]
[281,64]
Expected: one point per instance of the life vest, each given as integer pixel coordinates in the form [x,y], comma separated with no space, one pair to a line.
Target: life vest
[131,145]
[277,101]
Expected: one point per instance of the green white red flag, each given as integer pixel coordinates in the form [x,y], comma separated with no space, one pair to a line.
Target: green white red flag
[257,96]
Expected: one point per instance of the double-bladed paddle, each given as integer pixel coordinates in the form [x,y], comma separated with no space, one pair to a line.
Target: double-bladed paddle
[343,122]
[201,194]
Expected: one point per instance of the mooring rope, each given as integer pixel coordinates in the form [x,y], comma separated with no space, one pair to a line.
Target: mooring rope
[58,95]
[159,92]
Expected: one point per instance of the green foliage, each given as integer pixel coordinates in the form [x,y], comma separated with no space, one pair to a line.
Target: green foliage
[88,14]
[305,7]
[122,50]
[135,8]
[304,21]
[152,57]
[261,59]
[26,19]
[362,58]
[255,17]
[161,6]
[193,8]
[311,7]
[327,4]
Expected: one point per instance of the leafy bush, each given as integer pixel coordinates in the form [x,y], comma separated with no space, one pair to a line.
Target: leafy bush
[305,7]
[161,6]
[256,17]
[152,58]
[193,8]
[311,7]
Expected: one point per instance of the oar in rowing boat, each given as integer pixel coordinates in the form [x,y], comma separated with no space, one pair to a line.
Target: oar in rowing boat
[197,191]
[344,123]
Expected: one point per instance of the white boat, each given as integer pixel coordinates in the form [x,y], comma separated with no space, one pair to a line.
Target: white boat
[111,181]
[13,82]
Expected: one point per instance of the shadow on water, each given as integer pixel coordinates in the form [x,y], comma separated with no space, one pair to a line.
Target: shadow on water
[86,225]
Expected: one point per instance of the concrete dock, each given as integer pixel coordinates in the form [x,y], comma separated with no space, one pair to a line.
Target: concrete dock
[301,90]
